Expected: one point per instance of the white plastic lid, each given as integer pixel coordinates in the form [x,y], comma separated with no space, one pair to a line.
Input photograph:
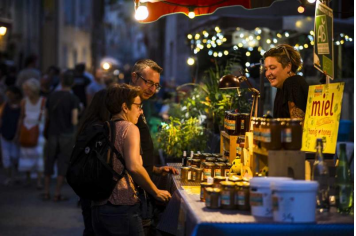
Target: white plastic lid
[184,153]
[295,185]
[210,180]
[266,181]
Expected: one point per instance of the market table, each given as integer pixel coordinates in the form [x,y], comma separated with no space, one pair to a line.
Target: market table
[187,215]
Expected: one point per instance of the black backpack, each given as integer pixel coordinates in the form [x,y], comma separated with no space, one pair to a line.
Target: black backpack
[90,172]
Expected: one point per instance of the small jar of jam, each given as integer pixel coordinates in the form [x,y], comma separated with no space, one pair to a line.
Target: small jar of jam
[184,172]
[217,181]
[242,123]
[208,170]
[292,134]
[231,124]
[199,177]
[242,196]
[275,126]
[210,159]
[227,169]
[212,199]
[219,168]
[204,185]
[195,163]
[227,195]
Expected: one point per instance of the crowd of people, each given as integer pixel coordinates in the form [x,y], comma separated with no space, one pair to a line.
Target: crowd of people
[41,116]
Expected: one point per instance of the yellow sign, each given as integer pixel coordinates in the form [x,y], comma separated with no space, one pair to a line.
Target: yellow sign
[322,116]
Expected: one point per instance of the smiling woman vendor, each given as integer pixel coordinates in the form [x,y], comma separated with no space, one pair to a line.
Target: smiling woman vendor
[281,64]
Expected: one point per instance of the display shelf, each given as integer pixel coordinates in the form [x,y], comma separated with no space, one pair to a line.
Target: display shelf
[228,142]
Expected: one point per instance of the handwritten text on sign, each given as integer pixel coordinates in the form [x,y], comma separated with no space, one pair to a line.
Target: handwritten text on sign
[322,116]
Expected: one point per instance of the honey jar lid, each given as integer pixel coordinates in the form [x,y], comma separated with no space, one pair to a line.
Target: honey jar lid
[219,178]
[235,178]
[213,190]
[186,167]
[243,184]
[219,164]
[209,164]
[227,183]
[206,184]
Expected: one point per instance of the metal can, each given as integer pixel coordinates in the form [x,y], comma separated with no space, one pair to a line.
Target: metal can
[184,171]
[227,195]
[212,199]
[203,187]
[242,196]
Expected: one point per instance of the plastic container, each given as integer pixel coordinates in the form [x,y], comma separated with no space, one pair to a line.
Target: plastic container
[294,201]
[261,195]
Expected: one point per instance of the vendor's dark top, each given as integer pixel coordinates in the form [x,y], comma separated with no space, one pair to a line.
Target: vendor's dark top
[295,89]
[146,144]
[60,105]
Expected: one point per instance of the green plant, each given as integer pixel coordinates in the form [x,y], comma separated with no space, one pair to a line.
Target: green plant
[179,135]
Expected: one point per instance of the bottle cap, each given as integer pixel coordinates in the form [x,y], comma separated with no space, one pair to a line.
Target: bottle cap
[185,153]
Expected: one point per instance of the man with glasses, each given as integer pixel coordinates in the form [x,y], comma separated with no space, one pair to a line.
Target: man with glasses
[146,74]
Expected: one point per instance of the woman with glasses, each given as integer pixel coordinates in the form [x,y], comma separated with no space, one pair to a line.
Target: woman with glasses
[120,213]
[281,65]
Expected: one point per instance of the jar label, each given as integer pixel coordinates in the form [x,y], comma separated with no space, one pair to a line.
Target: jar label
[240,198]
[208,200]
[275,203]
[217,172]
[231,124]
[189,175]
[225,198]
[262,134]
[287,135]
[267,136]
[207,173]
[242,124]
[256,199]
[194,175]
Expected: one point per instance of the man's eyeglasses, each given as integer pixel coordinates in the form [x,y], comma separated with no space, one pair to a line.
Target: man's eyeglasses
[140,105]
[149,82]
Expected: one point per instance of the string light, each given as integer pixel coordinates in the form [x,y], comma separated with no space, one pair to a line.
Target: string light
[191,13]
[190,61]
[301,9]
[141,11]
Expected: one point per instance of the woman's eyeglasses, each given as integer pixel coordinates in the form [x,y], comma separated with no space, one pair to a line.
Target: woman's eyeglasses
[140,105]
[149,83]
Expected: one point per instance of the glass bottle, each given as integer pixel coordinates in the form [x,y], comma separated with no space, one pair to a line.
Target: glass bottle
[343,183]
[321,175]
[184,159]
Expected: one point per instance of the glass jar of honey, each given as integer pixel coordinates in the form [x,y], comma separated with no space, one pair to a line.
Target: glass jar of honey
[242,196]
[218,168]
[208,170]
[231,123]
[185,173]
[195,163]
[212,199]
[227,195]
[242,123]
[217,181]
[292,134]
[203,187]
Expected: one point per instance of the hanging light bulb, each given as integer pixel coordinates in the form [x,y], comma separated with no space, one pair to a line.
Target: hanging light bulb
[190,61]
[191,13]
[141,11]
[311,1]
[301,9]
[3,30]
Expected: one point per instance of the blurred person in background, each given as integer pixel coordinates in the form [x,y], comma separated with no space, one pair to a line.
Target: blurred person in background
[50,80]
[32,109]
[10,114]
[96,85]
[81,81]
[62,117]
[30,71]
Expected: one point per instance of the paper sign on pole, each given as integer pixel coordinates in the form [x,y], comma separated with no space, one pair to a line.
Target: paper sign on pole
[323,31]
[322,116]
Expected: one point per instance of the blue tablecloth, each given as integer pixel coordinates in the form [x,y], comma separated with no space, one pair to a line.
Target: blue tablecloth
[187,215]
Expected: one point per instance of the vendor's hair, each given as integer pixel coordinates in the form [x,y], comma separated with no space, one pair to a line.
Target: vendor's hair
[118,94]
[285,54]
[144,63]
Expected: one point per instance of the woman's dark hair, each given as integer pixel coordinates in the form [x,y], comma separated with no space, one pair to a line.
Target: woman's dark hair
[119,94]
[285,54]
[95,112]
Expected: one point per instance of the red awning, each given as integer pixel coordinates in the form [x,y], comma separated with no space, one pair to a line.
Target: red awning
[160,8]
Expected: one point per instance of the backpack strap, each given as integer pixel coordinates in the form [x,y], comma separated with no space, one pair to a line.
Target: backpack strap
[114,173]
